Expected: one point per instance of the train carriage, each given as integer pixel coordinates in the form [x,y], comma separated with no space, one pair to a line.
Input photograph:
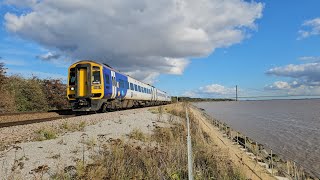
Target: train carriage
[94,86]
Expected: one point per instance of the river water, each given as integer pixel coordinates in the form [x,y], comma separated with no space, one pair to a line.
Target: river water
[289,127]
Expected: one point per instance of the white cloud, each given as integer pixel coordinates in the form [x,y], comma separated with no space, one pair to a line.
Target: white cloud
[212,90]
[21,3]
[294,88]
[312,28]
[49,56]
[305,79]
[136,35]
[279,85]
[310,72]
[217,89]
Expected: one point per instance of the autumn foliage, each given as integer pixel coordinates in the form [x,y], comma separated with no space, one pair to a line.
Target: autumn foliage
[30,94]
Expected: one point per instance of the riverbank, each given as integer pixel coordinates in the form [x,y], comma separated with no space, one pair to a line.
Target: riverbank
[289,127]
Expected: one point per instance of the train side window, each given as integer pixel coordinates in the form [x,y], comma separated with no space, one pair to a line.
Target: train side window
[139,88]
[135,87]
[107,79]
[121,84]
[131,86]
[72,80]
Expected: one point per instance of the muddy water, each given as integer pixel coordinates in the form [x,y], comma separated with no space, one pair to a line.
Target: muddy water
[289,127]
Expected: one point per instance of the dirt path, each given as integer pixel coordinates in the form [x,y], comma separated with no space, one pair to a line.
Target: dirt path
[250,168]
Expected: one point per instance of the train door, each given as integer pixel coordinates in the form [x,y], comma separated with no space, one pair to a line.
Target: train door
[83,80]
[114,84]
[107,82]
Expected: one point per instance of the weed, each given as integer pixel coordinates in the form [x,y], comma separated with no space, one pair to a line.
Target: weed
[137,134]
[73,126]
[82,125]
[45,134]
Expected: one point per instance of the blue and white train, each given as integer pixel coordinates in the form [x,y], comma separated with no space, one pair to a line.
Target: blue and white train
[94,86]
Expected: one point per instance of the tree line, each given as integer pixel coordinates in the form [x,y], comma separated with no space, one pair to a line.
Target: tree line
[30,94]
[190,99]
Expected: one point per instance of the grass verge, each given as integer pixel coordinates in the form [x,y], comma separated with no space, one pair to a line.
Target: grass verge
[163,155]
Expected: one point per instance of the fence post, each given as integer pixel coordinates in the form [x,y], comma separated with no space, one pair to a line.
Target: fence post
[288,170]
[294,170]
[271,163]
[237,137]
[245,142]
[189,147]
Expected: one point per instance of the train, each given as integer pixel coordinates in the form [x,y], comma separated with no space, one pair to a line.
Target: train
[94,86]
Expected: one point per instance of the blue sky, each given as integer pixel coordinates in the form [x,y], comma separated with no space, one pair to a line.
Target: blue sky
[276,53]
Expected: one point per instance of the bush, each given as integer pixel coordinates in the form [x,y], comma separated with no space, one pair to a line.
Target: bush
[7,103]
[30,94]
[55,93]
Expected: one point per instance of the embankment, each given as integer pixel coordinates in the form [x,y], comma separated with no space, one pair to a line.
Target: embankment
[147,143]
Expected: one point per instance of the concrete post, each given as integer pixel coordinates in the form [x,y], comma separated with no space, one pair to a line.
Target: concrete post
[271,163]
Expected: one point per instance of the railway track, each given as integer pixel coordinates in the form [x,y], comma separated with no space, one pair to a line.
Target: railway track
[23,118]
[31,121]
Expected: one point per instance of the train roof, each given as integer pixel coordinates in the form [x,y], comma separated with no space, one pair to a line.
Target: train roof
[108,66]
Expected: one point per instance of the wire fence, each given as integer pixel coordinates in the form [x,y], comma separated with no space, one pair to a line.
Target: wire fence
[277,164]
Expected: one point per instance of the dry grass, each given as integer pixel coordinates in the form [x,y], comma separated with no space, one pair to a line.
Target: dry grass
[137,134]
[163,155]
[72,127]
[45,134]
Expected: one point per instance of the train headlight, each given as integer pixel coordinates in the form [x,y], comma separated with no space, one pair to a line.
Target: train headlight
[72,88]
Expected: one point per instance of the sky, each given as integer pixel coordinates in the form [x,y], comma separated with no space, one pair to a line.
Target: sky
[188,48]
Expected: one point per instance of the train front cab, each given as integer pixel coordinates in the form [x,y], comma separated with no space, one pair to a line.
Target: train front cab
[86,86]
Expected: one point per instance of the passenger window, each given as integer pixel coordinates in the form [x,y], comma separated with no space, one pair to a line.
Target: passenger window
[107,79]
[131,86]
[135,87]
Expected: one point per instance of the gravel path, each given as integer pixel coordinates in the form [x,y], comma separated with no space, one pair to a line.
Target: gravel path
[28,159]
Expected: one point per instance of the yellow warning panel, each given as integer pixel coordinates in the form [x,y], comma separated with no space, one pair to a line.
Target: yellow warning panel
[82,82]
